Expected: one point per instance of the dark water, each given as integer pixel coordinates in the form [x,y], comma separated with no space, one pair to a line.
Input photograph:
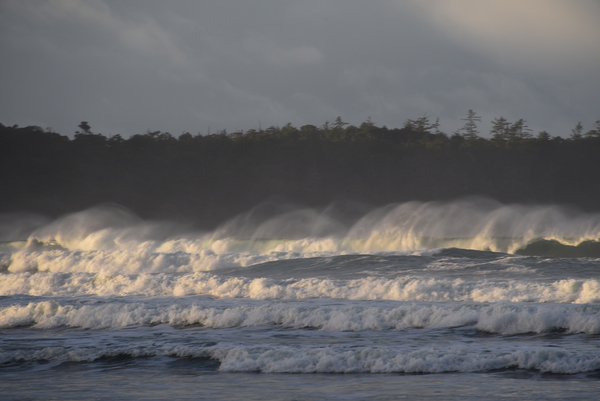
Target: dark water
[189,383]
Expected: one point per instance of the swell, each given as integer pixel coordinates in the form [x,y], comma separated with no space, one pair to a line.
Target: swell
[335,359]
[556,248]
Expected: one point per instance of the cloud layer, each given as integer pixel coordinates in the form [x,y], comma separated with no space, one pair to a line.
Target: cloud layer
[127,67]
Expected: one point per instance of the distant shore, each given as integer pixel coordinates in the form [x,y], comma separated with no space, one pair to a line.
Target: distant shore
[204,179]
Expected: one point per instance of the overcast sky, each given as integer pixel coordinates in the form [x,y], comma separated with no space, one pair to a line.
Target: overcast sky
[128,66]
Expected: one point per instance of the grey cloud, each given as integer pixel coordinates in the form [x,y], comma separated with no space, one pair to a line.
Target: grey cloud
[185,66]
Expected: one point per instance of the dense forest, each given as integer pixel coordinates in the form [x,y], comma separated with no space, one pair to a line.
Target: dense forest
[204,179]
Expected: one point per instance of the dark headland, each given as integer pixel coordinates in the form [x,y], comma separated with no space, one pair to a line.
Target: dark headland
[205,179]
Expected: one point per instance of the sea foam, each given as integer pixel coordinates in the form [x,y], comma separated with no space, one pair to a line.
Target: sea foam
[337,359]
[505,319]
[406,288]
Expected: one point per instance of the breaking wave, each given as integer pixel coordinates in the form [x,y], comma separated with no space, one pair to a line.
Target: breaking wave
[477,224]
[338,359]
[504,319]
[404,288]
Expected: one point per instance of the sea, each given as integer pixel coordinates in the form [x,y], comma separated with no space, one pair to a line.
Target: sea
[467,299]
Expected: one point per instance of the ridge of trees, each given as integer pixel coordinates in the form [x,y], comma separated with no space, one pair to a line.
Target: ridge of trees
[205,179]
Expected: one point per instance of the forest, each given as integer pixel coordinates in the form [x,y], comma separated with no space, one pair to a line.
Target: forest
[205,179]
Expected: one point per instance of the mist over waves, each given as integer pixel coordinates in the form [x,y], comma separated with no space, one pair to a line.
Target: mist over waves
[109,237]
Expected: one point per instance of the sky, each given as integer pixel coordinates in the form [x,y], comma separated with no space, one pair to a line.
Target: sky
[132,66]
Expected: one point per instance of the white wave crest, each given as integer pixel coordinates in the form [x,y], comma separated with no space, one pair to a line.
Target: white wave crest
[408,288]
[386,360]
[470,224]
[335,359]
[505,319]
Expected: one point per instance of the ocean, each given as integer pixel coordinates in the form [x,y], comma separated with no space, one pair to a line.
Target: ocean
[461,300]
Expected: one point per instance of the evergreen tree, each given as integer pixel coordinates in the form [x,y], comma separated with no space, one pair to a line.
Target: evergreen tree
[519,130]
[543,135]
[576,132]
[84,127]
[338,123]
[500,129]
[595,131]
[421,124]
[469,130]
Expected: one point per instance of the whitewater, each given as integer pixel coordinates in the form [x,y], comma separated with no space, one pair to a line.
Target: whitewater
[449,300]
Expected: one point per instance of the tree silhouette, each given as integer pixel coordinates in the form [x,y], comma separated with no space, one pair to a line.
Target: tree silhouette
[576,132]
[338,123]
[500,129]
[469,130]
[84,127]
[205,179]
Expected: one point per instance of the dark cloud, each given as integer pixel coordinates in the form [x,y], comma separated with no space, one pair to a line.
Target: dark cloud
[186,66]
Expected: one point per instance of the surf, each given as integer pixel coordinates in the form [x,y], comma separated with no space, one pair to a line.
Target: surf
[473,223]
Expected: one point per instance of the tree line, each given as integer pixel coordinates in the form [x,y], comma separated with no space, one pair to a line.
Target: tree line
[204,179]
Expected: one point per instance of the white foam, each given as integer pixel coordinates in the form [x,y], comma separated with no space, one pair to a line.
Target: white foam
[338,359]
[143,260]
[388,360]
[469,224]
[408,288]
[503,319]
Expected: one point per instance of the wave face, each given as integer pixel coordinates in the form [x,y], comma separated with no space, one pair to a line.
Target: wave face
[465,287]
